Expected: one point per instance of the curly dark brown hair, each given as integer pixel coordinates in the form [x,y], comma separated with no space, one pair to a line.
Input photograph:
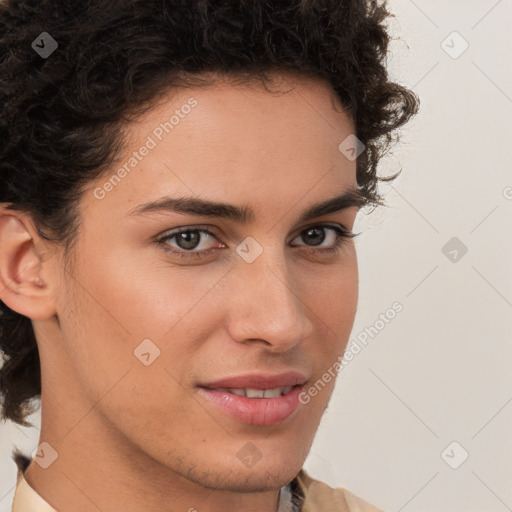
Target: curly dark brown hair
[62,117]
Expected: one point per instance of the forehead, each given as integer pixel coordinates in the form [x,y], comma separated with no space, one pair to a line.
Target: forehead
[226,103]
[296,115]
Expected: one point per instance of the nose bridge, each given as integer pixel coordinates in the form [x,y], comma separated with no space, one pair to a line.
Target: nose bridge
[266,305]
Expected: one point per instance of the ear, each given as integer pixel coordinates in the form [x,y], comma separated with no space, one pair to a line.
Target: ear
[26,272]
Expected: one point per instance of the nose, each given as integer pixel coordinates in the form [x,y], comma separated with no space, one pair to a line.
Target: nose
[266,304]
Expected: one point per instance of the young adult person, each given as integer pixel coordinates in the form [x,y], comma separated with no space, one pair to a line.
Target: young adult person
[178,184]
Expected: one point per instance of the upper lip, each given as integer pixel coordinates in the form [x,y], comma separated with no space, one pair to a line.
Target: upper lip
[258,381]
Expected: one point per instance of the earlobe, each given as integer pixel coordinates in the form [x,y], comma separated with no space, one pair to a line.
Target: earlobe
[24,287]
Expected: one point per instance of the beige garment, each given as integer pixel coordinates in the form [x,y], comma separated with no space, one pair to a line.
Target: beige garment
[319,497]
[27,499]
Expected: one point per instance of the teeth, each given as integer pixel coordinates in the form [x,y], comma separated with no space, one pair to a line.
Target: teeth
[239,392]
[259,393]
[272,393]
[255,393]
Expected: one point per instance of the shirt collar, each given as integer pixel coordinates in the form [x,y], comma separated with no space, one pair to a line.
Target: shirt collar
[26,499]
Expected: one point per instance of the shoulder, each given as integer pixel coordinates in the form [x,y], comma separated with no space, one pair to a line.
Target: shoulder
[320,497]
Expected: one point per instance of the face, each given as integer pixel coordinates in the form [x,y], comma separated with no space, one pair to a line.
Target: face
[161,302]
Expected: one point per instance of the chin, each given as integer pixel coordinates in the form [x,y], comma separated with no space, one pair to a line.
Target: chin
[259,478]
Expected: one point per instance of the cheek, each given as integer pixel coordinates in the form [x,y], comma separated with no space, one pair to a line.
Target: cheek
[117,309]
[333,302]
[333,297]
[122,359]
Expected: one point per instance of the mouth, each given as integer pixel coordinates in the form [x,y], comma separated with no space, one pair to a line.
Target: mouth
[257,393]
[256,399]
[257,410]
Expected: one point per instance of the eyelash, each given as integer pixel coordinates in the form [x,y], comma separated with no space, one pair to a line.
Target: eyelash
[341,239]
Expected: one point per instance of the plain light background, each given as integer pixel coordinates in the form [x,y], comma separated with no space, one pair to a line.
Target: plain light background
[420,419]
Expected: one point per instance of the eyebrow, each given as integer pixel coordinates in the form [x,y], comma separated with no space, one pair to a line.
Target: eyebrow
[245,214]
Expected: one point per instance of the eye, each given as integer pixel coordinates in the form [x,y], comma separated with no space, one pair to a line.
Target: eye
[190,243]
[315,235]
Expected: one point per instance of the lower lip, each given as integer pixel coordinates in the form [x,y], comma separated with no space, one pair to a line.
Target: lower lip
[255,411]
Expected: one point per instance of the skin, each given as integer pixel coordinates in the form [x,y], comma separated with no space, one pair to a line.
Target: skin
[133,437]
